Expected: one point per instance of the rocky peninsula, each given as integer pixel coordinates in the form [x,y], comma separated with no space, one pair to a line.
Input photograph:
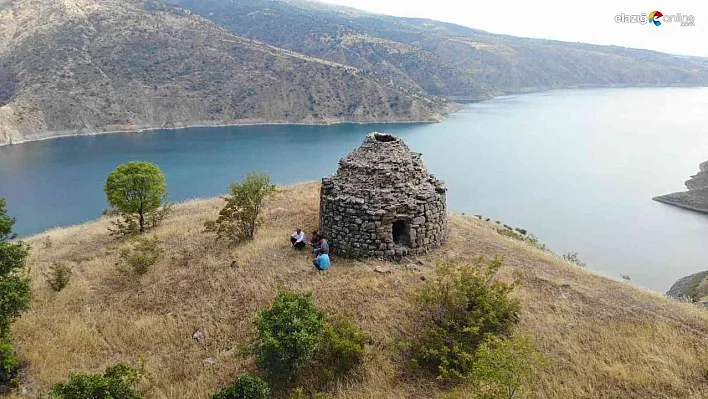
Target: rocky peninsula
[693,288]
[696,198]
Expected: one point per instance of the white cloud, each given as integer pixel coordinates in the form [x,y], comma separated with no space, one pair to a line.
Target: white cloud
[589,22]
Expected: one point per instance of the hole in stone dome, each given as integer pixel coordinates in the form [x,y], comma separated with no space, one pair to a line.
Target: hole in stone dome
[400,232]
[384,138]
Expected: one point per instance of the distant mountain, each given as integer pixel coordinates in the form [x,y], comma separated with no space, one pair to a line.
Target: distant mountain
[441,58]
[83,66]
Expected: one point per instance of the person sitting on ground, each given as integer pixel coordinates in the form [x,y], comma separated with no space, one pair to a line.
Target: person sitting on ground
[315,239]
[323,248]
[321,262]
[297,240]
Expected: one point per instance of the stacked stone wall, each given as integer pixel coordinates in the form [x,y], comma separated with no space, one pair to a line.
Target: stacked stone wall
[357,227]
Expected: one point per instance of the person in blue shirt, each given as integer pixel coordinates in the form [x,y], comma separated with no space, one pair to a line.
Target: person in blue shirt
[322,262]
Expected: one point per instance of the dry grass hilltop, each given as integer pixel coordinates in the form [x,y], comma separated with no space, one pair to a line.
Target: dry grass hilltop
[604,339]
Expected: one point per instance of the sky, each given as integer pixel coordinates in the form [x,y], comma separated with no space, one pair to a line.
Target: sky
[588,22]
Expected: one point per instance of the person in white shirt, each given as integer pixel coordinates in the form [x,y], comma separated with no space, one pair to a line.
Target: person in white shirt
[298,239]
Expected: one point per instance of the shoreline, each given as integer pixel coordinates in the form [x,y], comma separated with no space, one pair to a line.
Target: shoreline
[677,203]
[453,105]
[196,126]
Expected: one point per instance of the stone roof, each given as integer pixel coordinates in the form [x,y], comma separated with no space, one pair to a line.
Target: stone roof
[382,169]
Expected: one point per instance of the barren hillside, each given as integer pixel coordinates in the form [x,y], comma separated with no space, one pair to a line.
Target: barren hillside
[85,66]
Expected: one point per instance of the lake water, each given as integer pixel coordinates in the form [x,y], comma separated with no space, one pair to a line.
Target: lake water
[576,168]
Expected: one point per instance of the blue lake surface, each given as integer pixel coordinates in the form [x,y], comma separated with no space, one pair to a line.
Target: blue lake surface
[576,168]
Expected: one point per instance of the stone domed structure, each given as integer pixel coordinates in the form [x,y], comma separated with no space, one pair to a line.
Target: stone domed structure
[382,202]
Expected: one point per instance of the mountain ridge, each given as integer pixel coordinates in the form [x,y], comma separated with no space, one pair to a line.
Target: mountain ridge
[88,66]
[118,65]
[484,64]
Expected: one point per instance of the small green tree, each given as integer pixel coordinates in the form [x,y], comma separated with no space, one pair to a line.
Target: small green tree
[136,190]
[241,215]
[117,382]
[58,276]
[503,367]
[143,254]
[289,333]
[461,307]
[246,387]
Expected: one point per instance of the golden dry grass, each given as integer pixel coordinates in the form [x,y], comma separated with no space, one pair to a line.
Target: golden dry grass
[605,339]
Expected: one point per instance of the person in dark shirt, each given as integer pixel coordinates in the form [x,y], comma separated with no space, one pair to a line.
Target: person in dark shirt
[315,239]
[323,248]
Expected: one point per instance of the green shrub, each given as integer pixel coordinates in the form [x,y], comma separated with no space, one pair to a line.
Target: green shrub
[9,363]
[245,387]
[117,382]
[460,308]
[14,279]
[143,254]
[572,257]
[342,348]
[241,215]
[300,393]
[502,367]
[58,276]
[125,226]
[289,333]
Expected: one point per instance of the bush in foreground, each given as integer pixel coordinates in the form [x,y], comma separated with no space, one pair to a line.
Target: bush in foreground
[502,367]
[14,290]
[117,382]
[460,308]
[14,282]
[245,387]
[289,334]
[297,341]
[9,363]
[342,348]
